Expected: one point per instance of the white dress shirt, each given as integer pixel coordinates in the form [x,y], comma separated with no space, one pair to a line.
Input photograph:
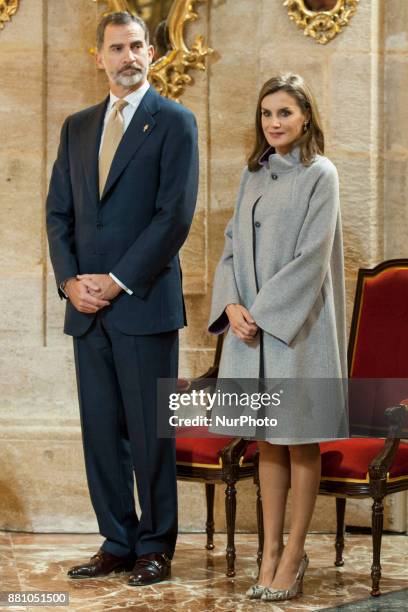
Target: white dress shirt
[133,100]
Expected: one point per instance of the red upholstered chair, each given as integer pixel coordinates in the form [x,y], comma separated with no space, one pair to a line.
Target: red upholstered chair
[366,466]
[217,460]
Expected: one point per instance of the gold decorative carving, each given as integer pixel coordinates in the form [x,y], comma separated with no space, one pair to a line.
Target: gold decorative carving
[7,10]
[170,73]
[322,25]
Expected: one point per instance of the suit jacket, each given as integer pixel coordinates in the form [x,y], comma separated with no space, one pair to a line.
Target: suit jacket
[136,228]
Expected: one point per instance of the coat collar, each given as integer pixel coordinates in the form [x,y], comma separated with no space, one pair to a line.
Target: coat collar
[281,163]
[90,138]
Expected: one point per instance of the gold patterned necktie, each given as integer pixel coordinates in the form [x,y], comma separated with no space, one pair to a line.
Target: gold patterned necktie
[114,130]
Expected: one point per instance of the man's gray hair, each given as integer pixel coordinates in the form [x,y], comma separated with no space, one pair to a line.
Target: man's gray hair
[120,18]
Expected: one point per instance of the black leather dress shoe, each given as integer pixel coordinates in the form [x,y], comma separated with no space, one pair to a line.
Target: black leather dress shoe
[149,569]
[102,564]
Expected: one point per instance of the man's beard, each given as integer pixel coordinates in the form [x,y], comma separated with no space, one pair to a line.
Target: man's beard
[130,80]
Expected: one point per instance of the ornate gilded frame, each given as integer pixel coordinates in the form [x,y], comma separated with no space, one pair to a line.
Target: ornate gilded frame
[169,74]
[7,9]
[322,26]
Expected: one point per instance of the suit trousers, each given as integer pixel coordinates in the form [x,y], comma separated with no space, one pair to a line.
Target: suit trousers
[117,388]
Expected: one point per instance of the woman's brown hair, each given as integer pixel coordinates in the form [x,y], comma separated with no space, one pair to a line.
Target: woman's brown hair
[311,142]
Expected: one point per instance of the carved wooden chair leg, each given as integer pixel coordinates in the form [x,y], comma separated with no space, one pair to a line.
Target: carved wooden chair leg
[339,545]
[259,514]
[230,511]
[209,526]
[377,529]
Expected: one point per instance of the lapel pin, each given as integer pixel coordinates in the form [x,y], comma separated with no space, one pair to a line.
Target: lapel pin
[146,127]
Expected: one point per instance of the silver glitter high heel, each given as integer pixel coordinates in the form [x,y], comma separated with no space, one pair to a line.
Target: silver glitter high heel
[255,591]
[296,589]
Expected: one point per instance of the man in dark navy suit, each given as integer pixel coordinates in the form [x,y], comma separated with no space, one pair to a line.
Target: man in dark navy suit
[120,205]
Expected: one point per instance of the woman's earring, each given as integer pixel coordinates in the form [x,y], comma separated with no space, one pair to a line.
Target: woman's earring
[305,126]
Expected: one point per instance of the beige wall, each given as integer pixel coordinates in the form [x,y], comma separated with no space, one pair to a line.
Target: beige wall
[48,73]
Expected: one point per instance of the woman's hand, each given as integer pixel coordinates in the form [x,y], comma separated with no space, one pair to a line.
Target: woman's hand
[242,322]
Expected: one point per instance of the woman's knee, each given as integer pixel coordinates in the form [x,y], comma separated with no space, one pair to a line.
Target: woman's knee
[266,449]
[304,451]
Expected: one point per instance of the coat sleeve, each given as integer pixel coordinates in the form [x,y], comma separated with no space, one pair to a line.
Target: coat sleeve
[225,290]
[60,215]
[284,302]
[162,239]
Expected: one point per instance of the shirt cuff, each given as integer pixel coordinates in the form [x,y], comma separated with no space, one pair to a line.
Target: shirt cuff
[118,282]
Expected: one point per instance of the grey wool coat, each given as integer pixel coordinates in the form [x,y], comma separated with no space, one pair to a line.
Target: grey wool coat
[283,260]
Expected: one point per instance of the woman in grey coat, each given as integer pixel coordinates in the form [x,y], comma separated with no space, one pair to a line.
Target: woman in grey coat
[279,291]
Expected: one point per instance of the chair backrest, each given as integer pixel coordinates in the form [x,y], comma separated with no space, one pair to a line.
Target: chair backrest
[378,345]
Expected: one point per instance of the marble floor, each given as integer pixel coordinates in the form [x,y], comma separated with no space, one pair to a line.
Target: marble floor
[38,562]
[394,601]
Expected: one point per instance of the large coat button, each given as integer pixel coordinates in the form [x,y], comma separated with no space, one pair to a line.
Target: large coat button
[274,177]
[257,224]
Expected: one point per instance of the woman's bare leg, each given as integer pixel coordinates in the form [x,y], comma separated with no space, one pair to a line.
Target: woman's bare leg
[305,478]
[274,477]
